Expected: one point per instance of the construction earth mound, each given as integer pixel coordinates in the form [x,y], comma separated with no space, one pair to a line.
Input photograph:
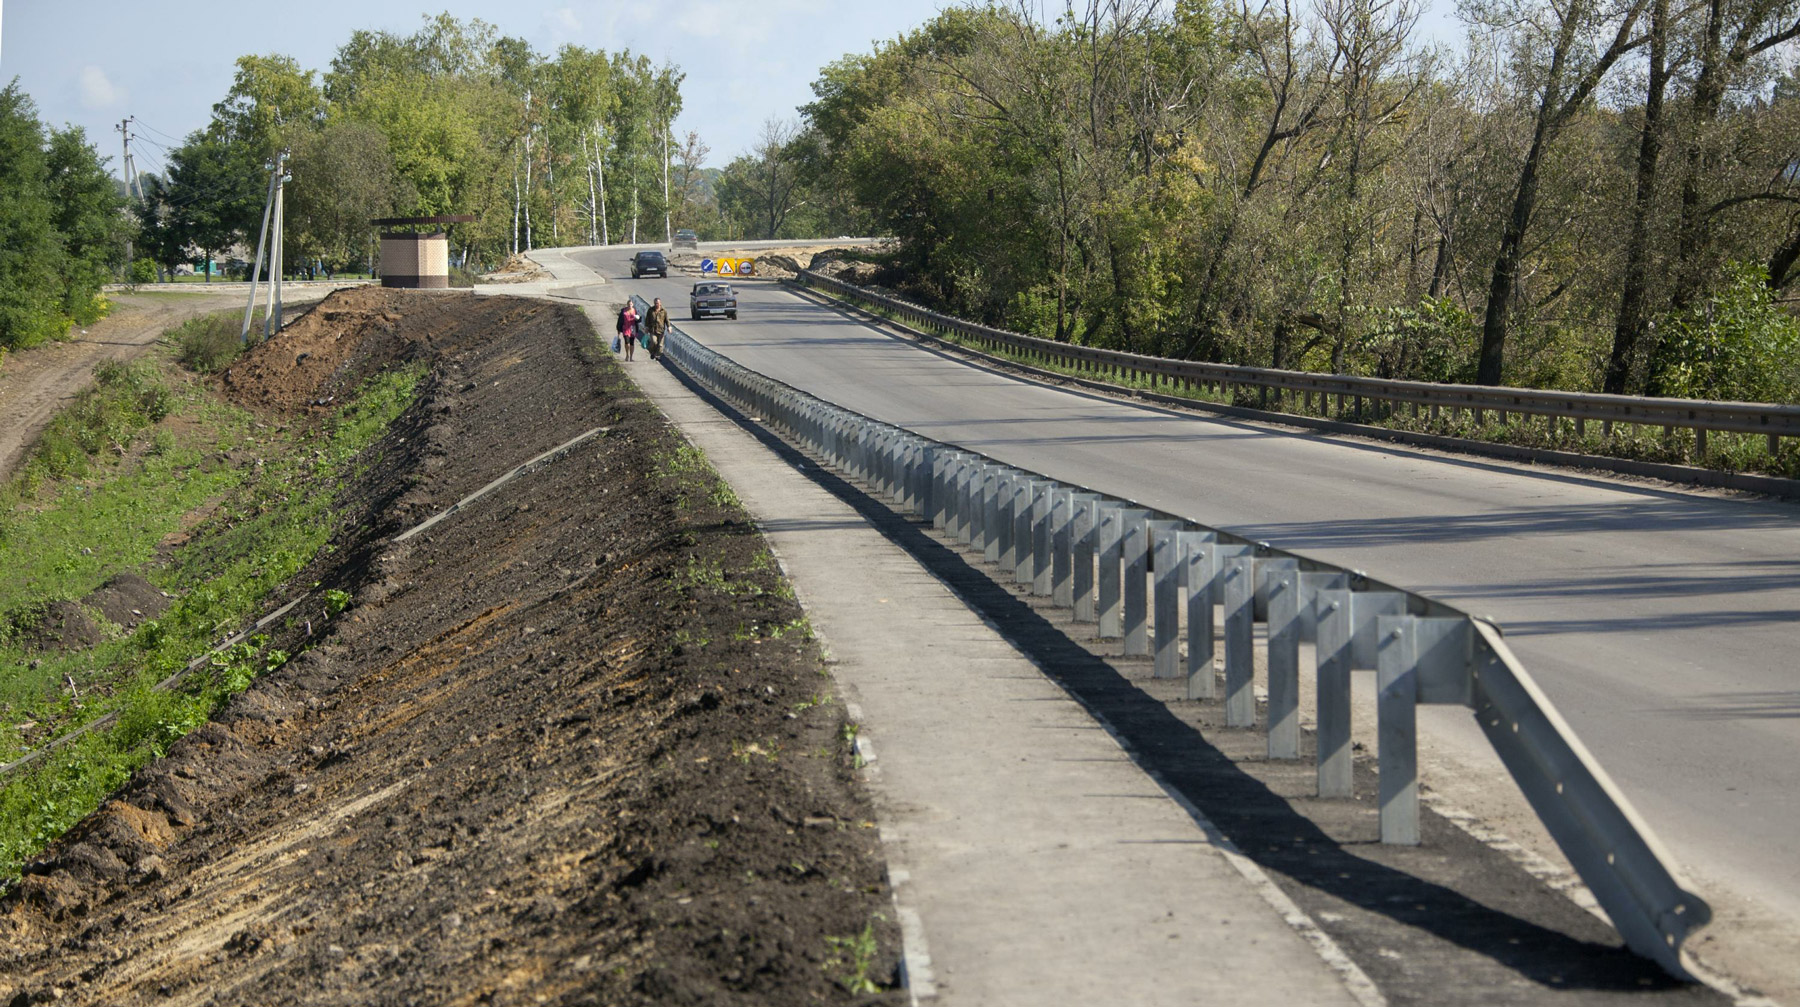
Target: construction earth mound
[571,744]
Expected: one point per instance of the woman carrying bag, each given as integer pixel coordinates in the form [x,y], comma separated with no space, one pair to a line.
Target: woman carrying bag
[628,335]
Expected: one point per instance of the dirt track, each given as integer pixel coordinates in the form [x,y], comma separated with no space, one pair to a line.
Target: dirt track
[568,746]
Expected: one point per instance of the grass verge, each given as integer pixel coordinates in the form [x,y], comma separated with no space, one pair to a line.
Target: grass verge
[249,505]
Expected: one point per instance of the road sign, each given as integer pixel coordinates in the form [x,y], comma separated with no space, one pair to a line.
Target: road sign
[708,266]
[727,267]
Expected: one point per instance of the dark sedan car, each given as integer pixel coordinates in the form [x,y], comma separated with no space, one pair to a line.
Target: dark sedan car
[712,299]
[645,263]
[685,238]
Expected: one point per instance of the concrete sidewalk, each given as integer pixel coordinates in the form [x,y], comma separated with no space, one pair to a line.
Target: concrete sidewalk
[1033,861]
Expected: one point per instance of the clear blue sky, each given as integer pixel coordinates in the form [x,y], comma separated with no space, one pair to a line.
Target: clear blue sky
[94,62]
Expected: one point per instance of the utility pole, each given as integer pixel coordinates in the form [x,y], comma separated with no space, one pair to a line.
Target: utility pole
[275,170]
[277,261]
[129,171]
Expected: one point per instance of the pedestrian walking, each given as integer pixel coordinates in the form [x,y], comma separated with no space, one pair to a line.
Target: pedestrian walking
[628,320]
[656,324]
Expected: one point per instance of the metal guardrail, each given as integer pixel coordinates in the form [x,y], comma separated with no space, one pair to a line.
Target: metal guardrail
[1277,388]
[1154,579]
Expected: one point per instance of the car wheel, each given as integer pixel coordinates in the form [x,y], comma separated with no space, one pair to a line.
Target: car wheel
[731,315]
[696,315]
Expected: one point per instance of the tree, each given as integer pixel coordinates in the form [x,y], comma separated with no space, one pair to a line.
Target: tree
[691,198]
[88,213]
[1732,35]
[270,98]
[343,177]
[213,199]
[31,251]
[1554,46]
[759,187]
[1628,329]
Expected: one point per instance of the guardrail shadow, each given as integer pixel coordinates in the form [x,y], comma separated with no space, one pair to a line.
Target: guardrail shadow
[1451,921]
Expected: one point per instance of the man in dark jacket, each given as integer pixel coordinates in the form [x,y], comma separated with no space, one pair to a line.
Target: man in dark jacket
[656,323]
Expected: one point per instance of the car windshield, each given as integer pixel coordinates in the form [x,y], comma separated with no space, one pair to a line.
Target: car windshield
[712,289]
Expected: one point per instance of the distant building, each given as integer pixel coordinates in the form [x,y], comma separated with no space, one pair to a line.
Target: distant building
[417,259]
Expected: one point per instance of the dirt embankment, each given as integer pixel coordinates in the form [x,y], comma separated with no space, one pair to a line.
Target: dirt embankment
[571,745]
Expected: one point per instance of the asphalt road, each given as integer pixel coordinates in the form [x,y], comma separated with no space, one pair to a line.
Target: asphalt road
[1663,623]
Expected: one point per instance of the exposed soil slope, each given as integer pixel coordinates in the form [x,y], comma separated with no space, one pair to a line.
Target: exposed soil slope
[568,746]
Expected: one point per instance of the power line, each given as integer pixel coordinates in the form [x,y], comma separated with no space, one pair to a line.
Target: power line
[144,139]
[158,132]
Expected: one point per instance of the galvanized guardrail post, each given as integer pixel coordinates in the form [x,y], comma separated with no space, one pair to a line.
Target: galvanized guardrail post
[1283,649]
[1062,548]
[1166,569]
[1239,583]
[993,487]
[1041,560]
[1198,577]
[1419,660]
[1332,651]
[1010,494]
[1137,569]
[1024,566]
[1109,550]
[1083,537]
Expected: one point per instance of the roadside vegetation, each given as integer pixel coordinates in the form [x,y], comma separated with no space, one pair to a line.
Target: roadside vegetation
[1591,197]
[62,234]
[149,474]
[209,343]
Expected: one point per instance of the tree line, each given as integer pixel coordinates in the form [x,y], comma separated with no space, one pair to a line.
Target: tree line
[62,231]
[1594,195]
[452,119]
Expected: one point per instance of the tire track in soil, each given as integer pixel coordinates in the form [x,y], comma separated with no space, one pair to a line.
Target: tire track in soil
[535,762]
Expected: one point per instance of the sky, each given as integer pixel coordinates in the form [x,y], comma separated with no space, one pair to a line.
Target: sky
[95,62]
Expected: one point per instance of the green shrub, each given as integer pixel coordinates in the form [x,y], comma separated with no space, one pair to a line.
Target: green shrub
[1737,345]
[209,343]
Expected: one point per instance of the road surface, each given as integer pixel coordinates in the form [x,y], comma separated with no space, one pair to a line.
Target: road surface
[1662,622]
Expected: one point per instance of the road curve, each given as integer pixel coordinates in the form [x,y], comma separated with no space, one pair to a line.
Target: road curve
[1663,623]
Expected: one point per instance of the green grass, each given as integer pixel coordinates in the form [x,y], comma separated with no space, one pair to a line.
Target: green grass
[66,534]
[104,420]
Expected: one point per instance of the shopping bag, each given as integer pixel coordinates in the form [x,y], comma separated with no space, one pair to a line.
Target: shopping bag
[644,340]
[618,344]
